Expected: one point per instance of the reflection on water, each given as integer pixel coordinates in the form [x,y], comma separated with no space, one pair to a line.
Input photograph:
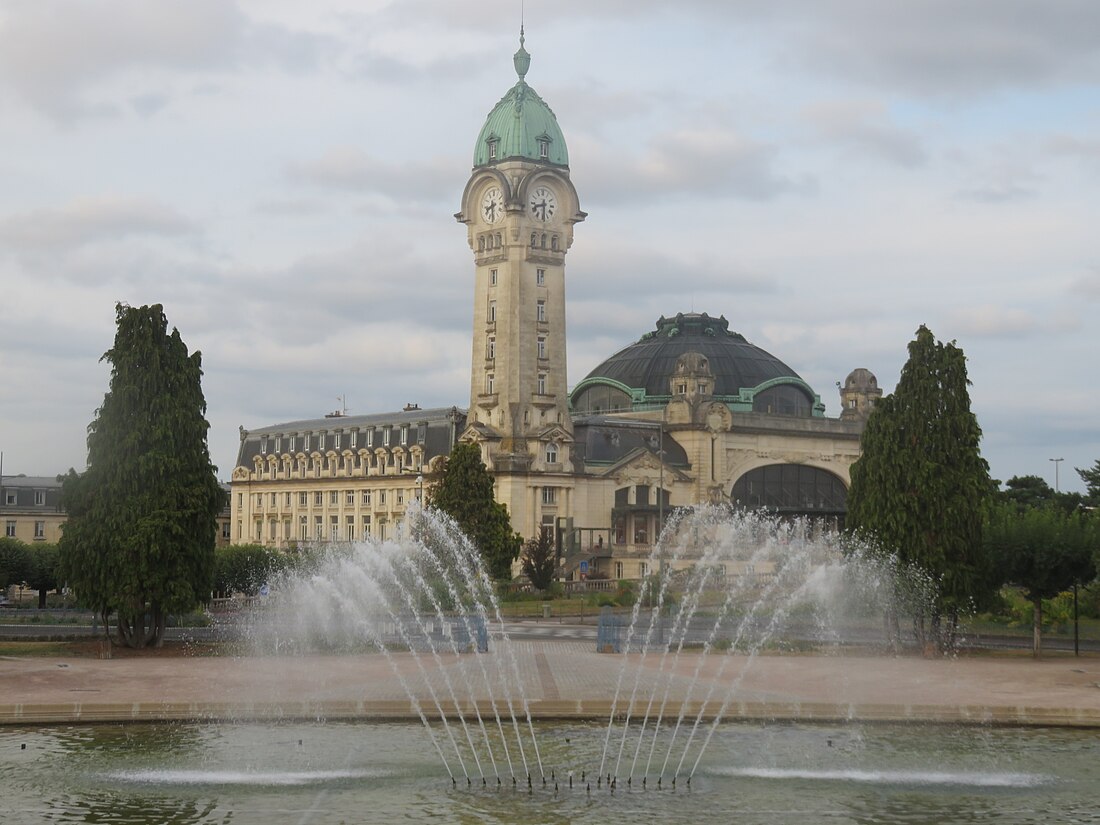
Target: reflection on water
[977,780]
[322,773]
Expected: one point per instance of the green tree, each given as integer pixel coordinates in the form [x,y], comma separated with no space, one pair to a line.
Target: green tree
[920,486]
[1027,491]
[139,540]
[1091,477]
[43,574]
[15,562]
[244,568]
[539,560]
[464,491]
[1042,550]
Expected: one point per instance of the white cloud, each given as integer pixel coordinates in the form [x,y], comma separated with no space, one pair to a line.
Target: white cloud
[89,220]
[54,54]
[993,321]
[864,127]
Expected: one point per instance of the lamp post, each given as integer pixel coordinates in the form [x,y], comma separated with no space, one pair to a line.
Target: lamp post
[420,488]
[1056,461]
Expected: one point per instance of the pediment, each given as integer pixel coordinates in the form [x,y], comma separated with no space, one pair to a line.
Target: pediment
[644,461]
[555,432]
[478,433]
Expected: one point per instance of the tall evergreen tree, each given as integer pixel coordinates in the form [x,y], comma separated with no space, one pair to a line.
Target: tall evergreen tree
[139,539]
[920,485]
[464,491]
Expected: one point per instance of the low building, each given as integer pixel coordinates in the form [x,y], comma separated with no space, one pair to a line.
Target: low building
[30,508]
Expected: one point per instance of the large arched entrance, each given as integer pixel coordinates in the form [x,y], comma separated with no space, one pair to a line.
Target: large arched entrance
[792,490]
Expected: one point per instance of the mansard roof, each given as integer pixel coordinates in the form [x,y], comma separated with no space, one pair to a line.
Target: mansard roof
[442,425]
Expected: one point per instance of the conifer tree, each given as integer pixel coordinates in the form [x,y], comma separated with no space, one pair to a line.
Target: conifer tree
[139,539]
[1091,477]
[464,491]
[539,561]
[920,486]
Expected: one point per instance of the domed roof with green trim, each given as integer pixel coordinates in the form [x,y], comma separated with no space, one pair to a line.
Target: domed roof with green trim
[521,125]
[742,375]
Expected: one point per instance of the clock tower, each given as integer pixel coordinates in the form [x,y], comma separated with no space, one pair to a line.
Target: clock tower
[519,208]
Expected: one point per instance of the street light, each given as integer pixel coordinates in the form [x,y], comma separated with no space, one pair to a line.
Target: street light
[420,488]
[1056,461]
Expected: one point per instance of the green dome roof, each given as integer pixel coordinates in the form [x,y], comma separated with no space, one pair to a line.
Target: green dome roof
[521,125]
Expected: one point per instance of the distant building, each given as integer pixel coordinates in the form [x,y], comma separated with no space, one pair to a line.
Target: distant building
[337,478]
[691,412]
[30,509]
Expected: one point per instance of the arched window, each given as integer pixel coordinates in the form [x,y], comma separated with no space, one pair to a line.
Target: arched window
[783,399]
[793,489]
[551,453]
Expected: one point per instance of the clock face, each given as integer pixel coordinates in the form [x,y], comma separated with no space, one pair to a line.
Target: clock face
[542,204]
[492,205]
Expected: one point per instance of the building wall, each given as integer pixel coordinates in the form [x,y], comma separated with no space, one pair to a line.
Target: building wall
[35,514]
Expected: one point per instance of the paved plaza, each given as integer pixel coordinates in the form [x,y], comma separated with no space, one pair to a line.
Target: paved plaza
[560,679]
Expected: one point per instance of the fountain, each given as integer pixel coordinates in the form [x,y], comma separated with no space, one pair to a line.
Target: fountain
[651,734]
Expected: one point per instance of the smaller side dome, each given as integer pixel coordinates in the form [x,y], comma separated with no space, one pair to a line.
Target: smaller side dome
[859,394]
[861,378]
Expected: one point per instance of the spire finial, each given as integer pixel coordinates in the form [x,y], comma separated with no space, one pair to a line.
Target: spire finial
[521,59]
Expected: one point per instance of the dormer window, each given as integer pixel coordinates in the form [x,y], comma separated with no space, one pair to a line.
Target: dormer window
[493,148]
[544,148]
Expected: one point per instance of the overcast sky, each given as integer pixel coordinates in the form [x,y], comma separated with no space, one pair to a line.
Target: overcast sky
[281,176]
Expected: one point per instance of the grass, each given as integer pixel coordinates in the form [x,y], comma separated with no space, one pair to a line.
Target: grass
[23,649]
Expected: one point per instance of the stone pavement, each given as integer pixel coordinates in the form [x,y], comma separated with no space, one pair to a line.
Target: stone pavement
[560,679]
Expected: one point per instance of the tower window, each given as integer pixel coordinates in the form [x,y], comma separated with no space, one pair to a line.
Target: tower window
[489,384]
[554,243]
[542,347]
[492,150]
[491,349]
[540,311]
[492,277]
[492,312]
[542,383]
[544,149]
[540,275]
[551,453]
[549,495]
